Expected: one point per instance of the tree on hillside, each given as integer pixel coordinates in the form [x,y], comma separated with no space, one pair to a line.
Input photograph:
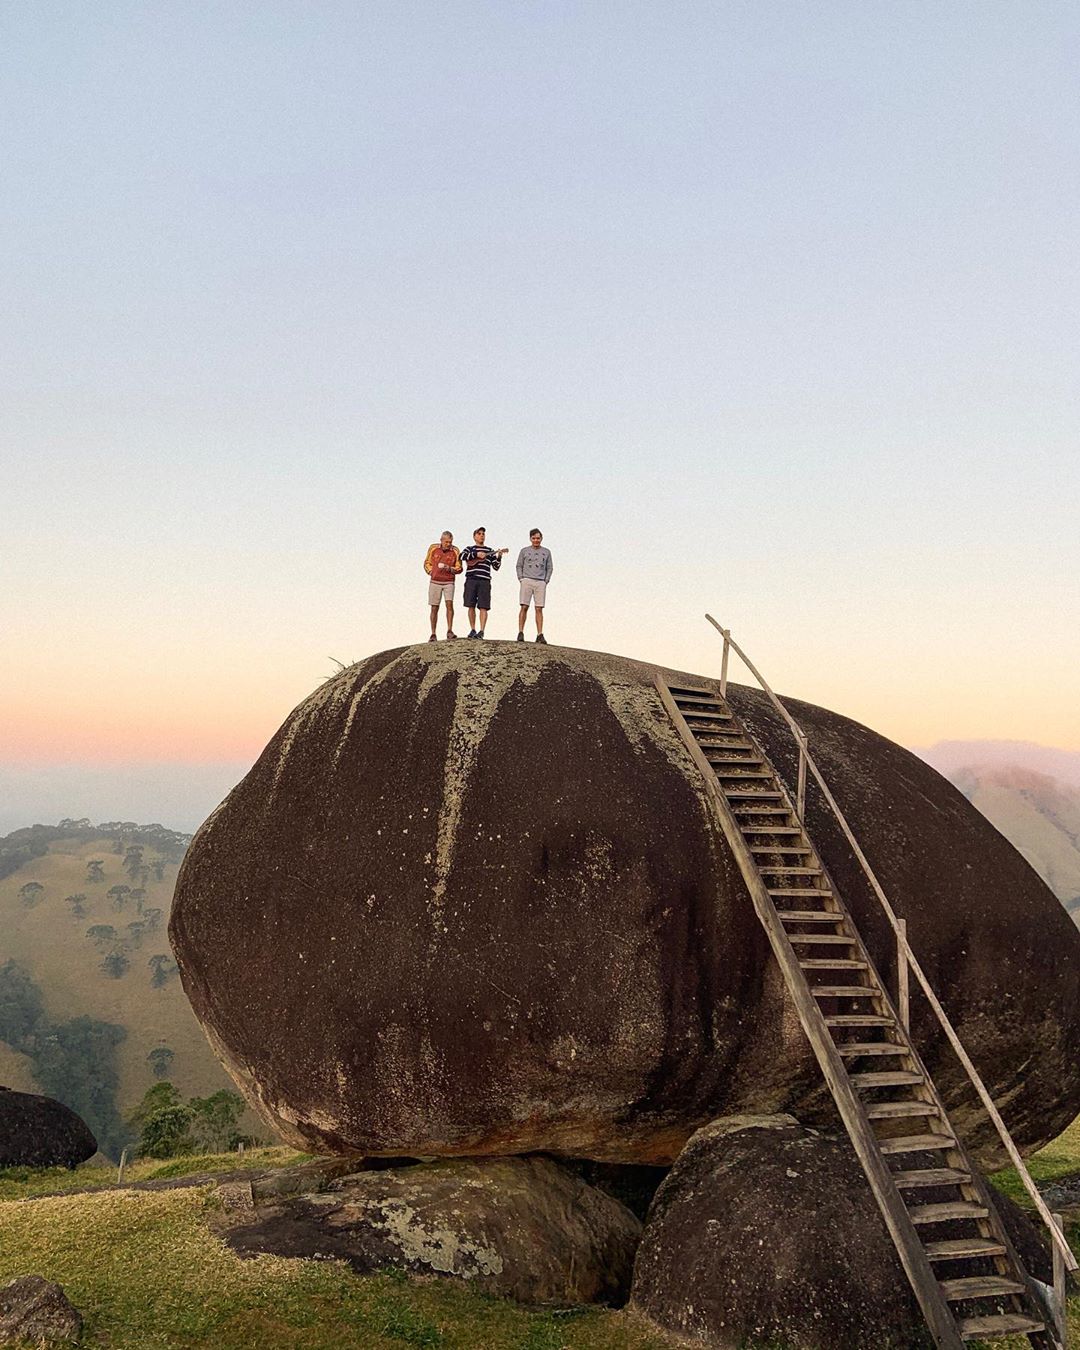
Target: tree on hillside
[76,1063]
[95,870]
[133,860]
[215,1120]
[158,868]
[138,895]
[115,963]
[168,1126]
[102,935]
[134,933]
[31,893]
[161,1058]
[119,896]
[161,967]
[152,919]
[22,1009]
[77,904]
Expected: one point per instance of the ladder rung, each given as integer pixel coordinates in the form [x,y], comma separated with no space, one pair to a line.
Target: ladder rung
[1001,1324]
[822,939]
[811,915]
[679,692]
[855,1049]
[776,850]
[917,1143]
[981,1286]
[898,1110]
[859,1020]
[780,870]
[730,774]
[888,1078]
[963,1249]
[930,1176]
[843,991]
[798,890]
[749,828]
[760,811]
[836,963]
[754,794]
[733,759]
[691,715]
[948,1213]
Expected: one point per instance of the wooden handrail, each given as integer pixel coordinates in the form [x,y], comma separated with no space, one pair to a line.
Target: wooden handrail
[903,946]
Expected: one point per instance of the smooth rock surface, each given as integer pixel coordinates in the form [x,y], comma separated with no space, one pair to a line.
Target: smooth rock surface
[471,900]
[36,1311]
[40,1132]
[523,1228]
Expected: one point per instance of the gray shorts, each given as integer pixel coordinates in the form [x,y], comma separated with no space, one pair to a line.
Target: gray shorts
[534,591]
[438,591]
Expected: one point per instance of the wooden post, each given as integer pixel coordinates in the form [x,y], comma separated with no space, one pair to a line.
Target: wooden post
[240,1146]
[1061,1311]
[120,1169]
[726,633]
[903,984]
[800,794]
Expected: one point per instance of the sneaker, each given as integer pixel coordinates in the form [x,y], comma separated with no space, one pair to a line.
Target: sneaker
[521,637]
[433,638]
[450,636]
[480,634]
[541,638]
[473,633]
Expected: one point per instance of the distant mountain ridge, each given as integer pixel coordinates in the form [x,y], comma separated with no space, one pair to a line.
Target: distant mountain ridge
[949,757]
[1038,812]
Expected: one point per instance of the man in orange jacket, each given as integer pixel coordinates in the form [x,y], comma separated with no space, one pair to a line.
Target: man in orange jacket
[442,564]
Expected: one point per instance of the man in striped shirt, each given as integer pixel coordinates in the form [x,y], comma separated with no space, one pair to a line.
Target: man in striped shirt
[479,560]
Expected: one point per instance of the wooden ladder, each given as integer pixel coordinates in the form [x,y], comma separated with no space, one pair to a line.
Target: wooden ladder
[970,1285]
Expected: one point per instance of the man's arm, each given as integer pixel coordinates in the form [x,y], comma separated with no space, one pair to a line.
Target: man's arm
[548,569]
[520,564]
[495,559]
[427,560]
[457,562]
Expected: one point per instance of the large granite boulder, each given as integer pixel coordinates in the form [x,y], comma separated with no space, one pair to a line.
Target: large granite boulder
[471,900]
[523,1228]
[40,1132]
[766,1233]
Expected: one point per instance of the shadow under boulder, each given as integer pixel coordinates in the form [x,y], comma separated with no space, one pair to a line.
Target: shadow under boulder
[523,1228]
[40,1132]
[768,1233]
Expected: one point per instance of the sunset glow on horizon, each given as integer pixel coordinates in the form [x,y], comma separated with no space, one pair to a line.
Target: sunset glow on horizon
[757,311]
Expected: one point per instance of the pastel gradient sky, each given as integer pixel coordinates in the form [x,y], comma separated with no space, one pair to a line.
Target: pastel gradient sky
[767,309]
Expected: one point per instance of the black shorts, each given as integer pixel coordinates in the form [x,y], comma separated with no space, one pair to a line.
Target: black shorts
[477,592]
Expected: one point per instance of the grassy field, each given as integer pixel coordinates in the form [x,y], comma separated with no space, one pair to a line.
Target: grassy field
[148,1273]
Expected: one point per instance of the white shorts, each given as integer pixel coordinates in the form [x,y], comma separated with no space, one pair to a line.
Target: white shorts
[533,590]
[439,591]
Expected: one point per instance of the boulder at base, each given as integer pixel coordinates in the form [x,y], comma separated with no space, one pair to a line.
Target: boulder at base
[40,1132]
[524,1228]
[472,899]
[766,1233]
[34,1311]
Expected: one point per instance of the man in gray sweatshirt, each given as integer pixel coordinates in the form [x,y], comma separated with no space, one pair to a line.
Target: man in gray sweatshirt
[534,573]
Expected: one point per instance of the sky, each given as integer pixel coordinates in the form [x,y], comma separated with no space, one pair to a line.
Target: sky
[766,310]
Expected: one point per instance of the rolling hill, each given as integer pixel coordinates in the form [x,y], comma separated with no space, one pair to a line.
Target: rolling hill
[1036,810]
[91,1009]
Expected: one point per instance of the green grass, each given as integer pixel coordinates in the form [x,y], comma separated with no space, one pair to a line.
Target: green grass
[1057,1160]
[147,1273]
[17,1183]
